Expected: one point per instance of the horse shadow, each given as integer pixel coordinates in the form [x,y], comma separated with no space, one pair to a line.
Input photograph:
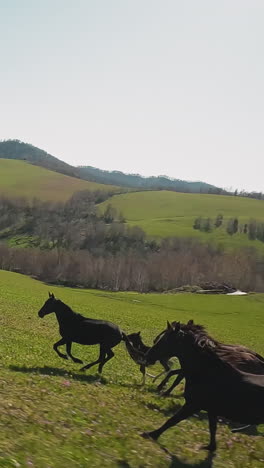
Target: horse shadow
[54,371]
[250,430]
[176,462]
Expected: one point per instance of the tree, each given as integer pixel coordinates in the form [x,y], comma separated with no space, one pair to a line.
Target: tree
[197,223]
[207,225]
[109,214]
[232,226]
[218,220]
[252,229]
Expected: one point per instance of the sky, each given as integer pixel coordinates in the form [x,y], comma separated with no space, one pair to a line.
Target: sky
[144,86]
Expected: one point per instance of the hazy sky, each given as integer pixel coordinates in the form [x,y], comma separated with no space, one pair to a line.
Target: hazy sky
[149,86]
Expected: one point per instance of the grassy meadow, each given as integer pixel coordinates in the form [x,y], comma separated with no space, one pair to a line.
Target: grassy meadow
[21,179]
[53,416]
[165,214]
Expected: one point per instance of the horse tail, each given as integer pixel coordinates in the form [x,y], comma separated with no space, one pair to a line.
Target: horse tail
[135,354]
[124,336]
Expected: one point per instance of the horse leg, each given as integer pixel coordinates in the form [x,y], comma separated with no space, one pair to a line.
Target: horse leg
[143,371]
[212,428]
[68,349]
[186,411]
[60,343]
[159,375]
[168,376]
[175,383]
[101,358]
[110,354]
[165,364]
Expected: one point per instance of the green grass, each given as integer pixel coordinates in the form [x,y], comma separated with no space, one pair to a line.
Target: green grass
[21,179]
[51,415]
[166,214]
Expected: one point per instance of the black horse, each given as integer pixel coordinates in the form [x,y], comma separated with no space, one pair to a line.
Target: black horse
[76,328]
[214,380]
[137,350]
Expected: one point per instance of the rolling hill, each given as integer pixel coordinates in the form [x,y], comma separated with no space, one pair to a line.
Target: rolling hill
[168,214]
[16,149]
[21,179]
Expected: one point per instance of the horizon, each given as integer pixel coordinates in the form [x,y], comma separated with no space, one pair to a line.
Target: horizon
[150,88]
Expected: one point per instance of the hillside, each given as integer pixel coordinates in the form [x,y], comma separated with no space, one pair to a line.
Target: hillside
[53,415]
[165,214]
[145,183]
[21,179]
[15,149]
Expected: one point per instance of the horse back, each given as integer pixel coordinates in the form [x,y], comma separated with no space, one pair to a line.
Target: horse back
[92,331]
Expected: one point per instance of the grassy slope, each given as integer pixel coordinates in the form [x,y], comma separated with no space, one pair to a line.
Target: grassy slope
[53,416]
[167,213]
[20,179]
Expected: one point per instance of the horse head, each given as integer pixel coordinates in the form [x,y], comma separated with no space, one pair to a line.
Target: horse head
[48,307]
[135,339]
[166,346]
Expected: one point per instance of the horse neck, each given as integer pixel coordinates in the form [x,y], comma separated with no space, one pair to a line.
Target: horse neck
[142,347]
[194,360]
[64,313]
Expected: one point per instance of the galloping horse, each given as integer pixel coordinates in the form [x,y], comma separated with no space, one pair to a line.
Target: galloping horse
[76,328]
[214,380]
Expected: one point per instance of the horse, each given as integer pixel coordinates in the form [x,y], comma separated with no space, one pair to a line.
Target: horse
[137,350]
[214,380]
[180,372]
[74,327]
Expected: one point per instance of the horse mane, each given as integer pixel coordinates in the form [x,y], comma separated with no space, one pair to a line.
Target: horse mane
[200,336]
[234,356]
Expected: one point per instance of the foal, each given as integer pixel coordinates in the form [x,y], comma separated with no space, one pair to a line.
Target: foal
[76,328]
[137,350]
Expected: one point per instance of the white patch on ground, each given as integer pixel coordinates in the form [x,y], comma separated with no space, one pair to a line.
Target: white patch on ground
[237,293]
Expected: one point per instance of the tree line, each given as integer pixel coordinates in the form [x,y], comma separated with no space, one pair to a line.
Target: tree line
[177,262]
[254,229]
[76,224]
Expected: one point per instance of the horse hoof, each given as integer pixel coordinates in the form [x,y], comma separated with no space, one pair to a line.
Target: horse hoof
[149,435]
[210,447]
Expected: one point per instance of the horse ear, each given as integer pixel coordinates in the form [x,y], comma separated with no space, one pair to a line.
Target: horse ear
[138,333]
[49,294]
[52,295]
[169,326]
[176,326]
[191,322]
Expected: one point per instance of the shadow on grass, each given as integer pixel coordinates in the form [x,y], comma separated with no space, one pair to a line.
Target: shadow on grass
[54,371]
[178,463]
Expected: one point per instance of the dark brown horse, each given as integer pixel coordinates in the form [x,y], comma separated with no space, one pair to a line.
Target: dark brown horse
[242,364]
[76,328]
[214,380]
